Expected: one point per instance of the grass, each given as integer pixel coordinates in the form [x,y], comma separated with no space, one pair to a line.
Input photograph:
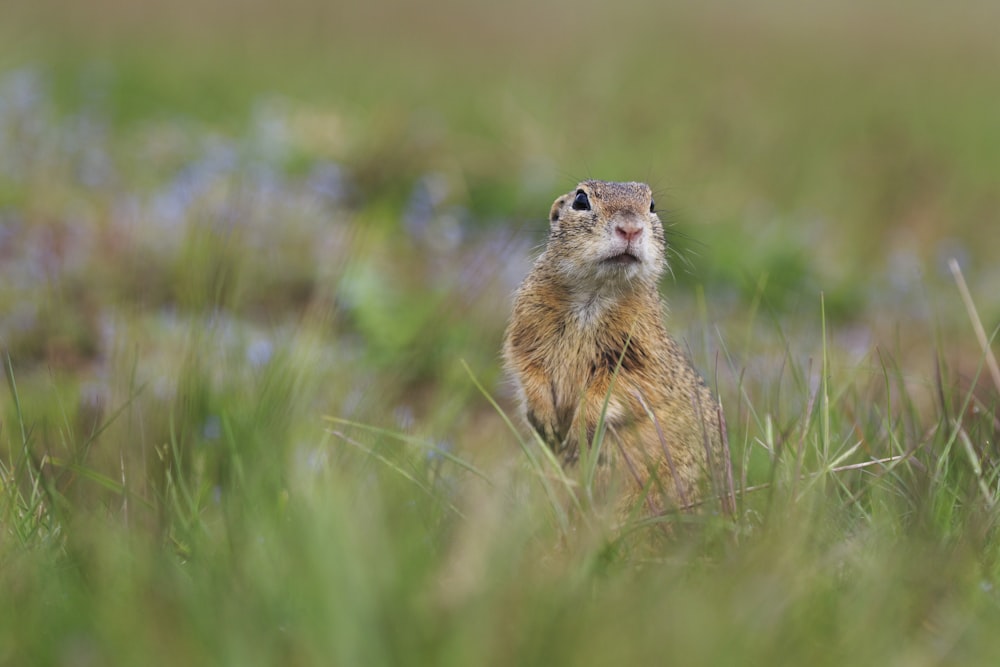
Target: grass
[252,296]
[375,546]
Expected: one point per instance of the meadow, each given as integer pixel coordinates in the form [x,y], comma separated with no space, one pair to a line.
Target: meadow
[255,266]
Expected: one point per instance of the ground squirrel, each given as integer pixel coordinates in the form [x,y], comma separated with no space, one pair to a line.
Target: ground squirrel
[589,318]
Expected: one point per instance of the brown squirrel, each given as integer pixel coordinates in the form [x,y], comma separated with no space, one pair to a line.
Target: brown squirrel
[586,340]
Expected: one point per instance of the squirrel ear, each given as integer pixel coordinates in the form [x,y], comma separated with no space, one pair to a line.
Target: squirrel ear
[554,212]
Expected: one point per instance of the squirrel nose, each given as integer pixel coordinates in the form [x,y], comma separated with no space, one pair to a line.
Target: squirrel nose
[628,230]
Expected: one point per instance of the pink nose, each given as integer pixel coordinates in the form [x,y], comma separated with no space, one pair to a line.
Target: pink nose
[629,230]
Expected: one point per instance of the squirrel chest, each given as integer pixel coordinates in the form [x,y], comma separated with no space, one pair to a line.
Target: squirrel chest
[592,358]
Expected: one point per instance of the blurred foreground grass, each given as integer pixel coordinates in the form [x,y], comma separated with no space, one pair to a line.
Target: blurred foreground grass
[221,224]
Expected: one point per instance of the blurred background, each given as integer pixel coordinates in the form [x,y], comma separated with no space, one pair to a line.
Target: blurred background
[207,181]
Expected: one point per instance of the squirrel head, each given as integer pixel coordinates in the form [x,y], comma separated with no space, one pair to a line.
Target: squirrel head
[607,235]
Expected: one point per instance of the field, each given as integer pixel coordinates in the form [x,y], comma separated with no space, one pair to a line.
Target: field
[255,265]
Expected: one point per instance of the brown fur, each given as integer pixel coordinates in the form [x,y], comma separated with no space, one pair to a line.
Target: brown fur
[583,313]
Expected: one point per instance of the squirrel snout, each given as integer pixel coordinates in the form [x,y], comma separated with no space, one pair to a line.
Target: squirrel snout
[628,230]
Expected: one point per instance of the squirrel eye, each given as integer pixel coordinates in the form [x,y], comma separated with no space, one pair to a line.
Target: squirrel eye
[652,206]
[581,202]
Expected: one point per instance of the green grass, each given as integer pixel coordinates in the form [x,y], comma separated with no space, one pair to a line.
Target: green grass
[254,271]
[248,536]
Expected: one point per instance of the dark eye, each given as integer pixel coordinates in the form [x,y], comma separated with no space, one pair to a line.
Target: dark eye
[581,202]
[652,206]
